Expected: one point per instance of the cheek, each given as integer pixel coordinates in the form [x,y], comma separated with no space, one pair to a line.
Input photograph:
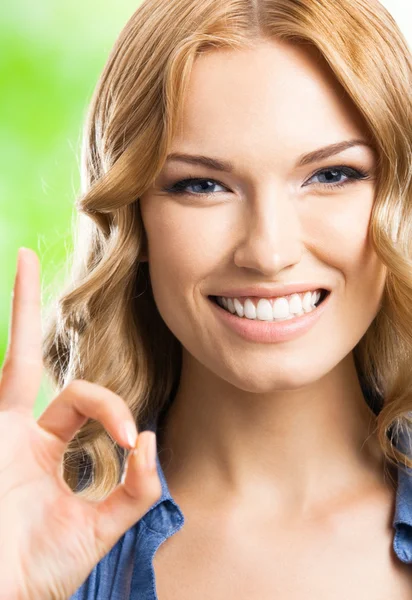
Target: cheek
[342,241]
[338,231]
[184,244]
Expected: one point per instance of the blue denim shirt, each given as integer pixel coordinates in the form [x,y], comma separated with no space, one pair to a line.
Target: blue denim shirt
[126,572]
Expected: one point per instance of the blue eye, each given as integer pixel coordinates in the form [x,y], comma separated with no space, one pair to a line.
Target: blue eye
[352,175]
[180,186]
[331,173]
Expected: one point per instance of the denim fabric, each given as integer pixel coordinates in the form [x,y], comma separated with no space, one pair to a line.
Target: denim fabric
[126,572]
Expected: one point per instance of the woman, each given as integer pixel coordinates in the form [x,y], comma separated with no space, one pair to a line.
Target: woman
[241,287]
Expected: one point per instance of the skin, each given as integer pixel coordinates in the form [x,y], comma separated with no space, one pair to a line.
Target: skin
[277,430]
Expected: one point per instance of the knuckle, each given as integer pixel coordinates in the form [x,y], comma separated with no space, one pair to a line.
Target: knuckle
[76,388]
[78,393]
[84,398]
[100,400]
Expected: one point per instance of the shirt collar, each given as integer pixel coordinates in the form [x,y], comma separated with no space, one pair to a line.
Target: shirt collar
[403,512]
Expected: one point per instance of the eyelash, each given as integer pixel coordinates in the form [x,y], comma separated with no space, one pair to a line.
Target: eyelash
[178,188]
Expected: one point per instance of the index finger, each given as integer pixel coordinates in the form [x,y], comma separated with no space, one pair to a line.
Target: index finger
[23,365]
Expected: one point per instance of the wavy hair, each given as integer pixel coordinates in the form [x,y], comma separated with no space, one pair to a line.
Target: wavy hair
[104,325]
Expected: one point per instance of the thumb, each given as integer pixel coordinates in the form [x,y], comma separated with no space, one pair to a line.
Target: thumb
[138,491]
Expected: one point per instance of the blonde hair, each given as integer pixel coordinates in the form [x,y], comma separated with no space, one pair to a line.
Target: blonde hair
[105,327]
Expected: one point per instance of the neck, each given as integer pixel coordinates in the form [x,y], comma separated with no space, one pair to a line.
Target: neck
[298,448]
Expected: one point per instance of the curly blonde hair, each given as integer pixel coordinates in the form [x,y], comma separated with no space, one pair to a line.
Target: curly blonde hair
[104,326]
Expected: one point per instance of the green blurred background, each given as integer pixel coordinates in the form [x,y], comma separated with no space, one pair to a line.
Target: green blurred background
[51,56]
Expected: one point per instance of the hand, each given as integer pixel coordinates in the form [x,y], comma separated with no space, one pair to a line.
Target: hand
[51,539]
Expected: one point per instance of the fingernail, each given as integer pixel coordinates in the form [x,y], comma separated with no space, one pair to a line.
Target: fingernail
[130,433]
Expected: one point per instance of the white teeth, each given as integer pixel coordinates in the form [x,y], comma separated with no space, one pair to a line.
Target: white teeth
[307,302]
[280,309]
[295,304]
[250,310]
[239,308]
[264,310]
[231,306]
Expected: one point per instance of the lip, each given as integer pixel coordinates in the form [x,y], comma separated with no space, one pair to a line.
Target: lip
[273,291]
[269,332]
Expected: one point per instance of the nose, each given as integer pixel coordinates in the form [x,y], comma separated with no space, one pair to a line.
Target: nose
[271,236]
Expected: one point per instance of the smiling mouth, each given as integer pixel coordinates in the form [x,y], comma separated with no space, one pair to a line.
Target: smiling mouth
[253,315]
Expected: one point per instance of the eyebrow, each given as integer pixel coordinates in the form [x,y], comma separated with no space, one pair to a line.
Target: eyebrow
[306,159]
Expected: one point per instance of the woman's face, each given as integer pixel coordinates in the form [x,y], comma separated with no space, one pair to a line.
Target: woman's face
[271,220]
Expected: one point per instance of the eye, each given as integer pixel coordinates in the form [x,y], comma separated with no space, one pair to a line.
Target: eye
[203,185]
[180,186]
[352,175]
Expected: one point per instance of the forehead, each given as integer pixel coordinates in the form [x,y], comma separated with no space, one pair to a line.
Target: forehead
[274,95]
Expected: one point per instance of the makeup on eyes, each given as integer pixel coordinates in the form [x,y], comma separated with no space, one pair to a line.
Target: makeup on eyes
[352,174]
